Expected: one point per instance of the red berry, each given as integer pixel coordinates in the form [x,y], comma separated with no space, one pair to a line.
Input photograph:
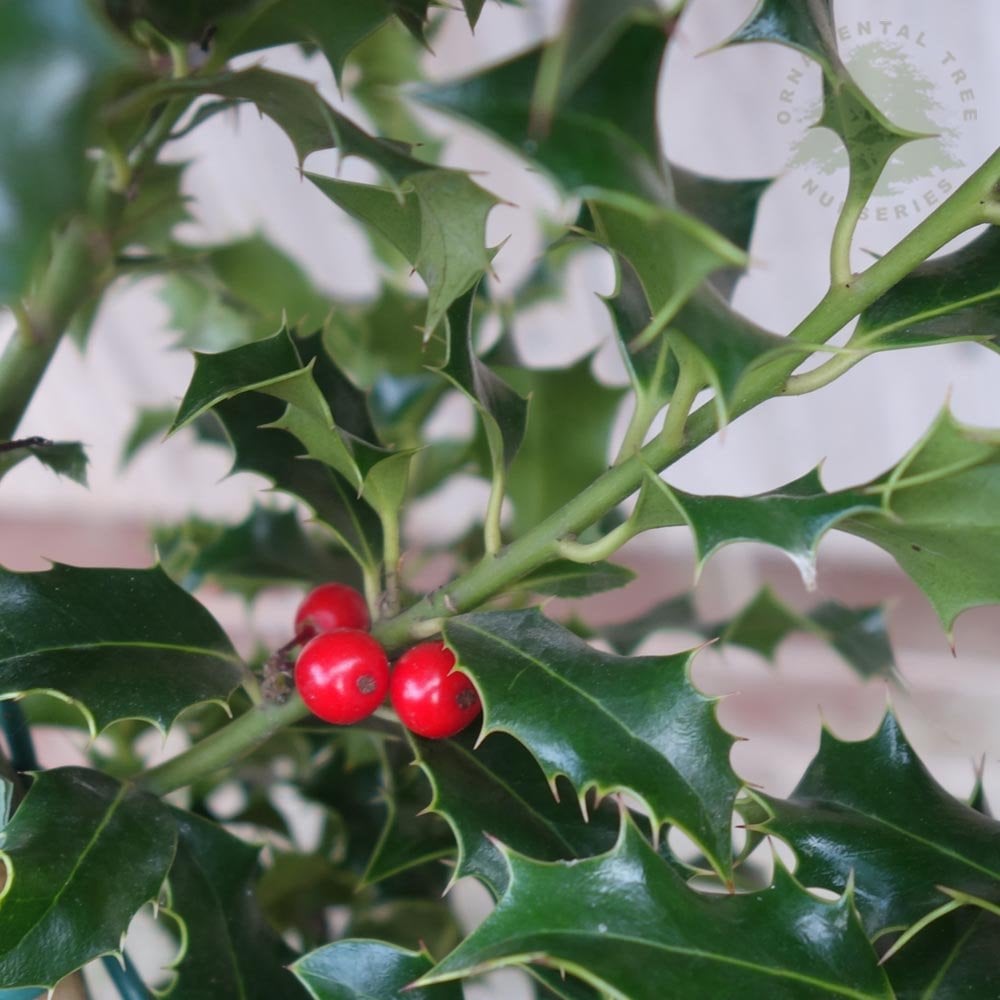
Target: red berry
[330,606]
[342,676]
[429,699]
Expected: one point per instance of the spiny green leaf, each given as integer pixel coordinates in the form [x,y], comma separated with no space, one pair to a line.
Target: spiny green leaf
[602,137]
[564,578]
[497,791]
[76,833]
[503,412]
[64,458]
[941,521]
[437,222]
[794,518]
[151,422]
[649,936]
[336,27]
[229,948]
[258,447]
[854,815]
[950,298]
[363,970]
[411,836]
[672,253]
[58,58]
[955,958]
[226,295]
[269,547]
[119,643]
[807,27]
[542,479]
[634,724]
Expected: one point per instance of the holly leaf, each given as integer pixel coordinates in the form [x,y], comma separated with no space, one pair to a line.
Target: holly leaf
[223,296]
[950,298]
[55,869]
[541,478]
[249,423]
[64,458]
[229,949]
[851,817]
[47,127]
[118,643]
[268,548]
[411,836]
[652,936]
[793,518]
[672,253]
[805,27]
[602,136]
[496,792]
[437,222]
[335,27]
[564,578]
[362,969]
[151,423]
[940,522]
[955,956]
[634,724]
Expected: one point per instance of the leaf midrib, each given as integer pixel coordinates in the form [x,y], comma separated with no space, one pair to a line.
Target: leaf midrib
[634,737]
[126,644]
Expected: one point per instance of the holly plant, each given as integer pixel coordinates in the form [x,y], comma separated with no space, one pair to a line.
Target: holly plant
[462,726]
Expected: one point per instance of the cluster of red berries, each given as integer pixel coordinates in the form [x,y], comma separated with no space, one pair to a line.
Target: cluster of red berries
[343,674]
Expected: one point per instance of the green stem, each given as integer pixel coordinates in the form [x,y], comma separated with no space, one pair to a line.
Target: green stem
[602,548]
[492,536]
[494,574]
[689,384]
[390,560]
[223,747]
[821,375]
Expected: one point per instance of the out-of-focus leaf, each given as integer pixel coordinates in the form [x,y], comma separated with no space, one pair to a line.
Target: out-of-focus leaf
[541,478]
[64,458]
[564,578]
[119,643]
[623,724]
[150,423]
[437,222]
[602,136]
[76,832]
[652,937]
[57,59]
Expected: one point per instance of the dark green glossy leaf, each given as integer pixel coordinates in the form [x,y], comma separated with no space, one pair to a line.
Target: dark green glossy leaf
[563,578]
[871,811]
[437,222]
[794,518]
[76,832]
[268,548]
[603,136]
[621,724]
[497,792]
[120,643]
[411,836]
[646,935]
[258,447]
[541,478]
[942,516]
[365,969]
[229,948]
[224,296]
[57,58]
[953,959]
[955,297]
